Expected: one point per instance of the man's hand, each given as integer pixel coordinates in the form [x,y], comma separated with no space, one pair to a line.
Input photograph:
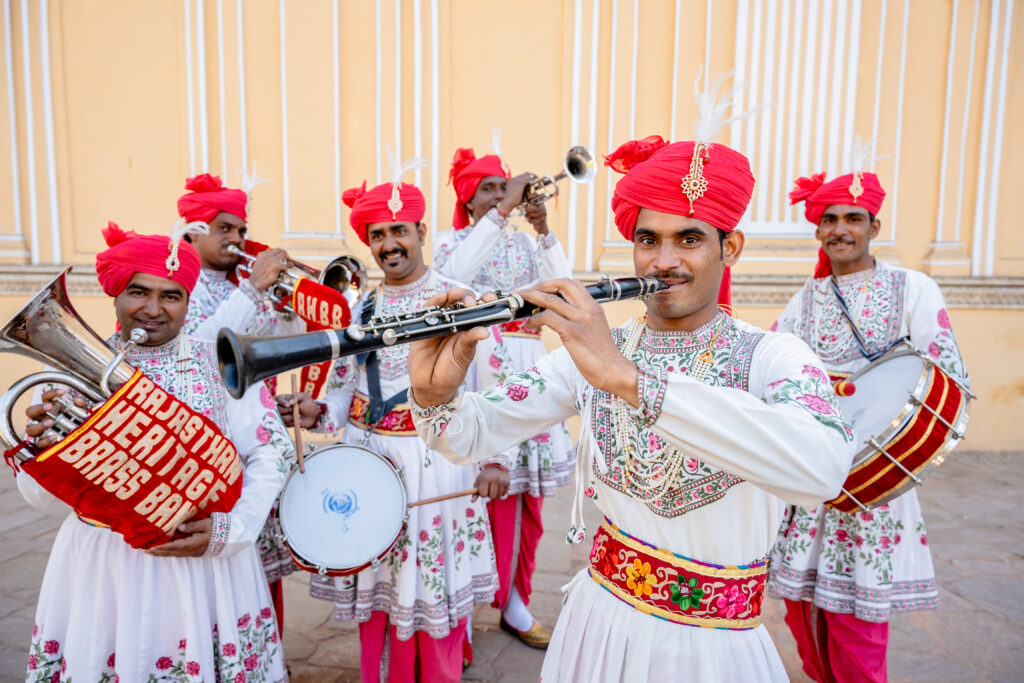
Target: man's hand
[309,409]
[40,421]
[438,366]
[514,190]
[267,267]
[192,545]
[492,482]
[537,214]
[581,323]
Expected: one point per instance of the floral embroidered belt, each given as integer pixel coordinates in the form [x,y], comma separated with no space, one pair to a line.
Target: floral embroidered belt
[518,328]
[676,588]
[396,423]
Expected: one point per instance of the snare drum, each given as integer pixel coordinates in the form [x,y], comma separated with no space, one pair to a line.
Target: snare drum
[345,513]
[909,415]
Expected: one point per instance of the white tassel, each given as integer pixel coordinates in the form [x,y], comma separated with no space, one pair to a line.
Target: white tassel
[182,228]
[495,145]
[711,118]
[398,170]
[251,180]
[862,155]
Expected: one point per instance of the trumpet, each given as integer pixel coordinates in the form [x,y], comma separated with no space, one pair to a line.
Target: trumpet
[245,360]
[49,330]
[578,165]
[346,274]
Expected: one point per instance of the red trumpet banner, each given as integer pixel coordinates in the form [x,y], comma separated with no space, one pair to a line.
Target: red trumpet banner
[142,463]
[322,308]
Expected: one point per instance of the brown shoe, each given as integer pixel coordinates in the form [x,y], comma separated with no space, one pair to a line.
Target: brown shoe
[537,637]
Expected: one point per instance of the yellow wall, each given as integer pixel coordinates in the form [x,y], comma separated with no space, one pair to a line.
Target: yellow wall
[112,103]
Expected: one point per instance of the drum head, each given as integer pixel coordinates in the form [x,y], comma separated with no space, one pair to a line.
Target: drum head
[883,390]
[347,509]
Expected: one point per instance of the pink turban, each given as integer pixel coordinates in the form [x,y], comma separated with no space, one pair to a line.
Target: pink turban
[466,173]
[208,197]
[130,253]
[378,206]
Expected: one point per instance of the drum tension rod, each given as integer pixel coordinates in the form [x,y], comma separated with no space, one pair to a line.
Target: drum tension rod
[894,460]
[963,387]
[958,435]
[861,505]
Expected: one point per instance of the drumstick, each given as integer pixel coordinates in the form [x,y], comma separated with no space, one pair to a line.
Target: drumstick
[457,494]
[298,430]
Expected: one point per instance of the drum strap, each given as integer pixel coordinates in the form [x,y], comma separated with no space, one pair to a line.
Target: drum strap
[858,336]
[378,406]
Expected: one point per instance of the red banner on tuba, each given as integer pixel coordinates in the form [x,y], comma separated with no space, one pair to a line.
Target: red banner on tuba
[322,308]
[143,463]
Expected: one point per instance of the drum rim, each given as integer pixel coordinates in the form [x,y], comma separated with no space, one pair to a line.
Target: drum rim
[376,556]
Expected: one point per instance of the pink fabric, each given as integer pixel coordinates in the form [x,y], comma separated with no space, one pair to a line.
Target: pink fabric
[838,648]
[465,175]
[421,658]
[818,195]
[372,206]
[208,197]
[130,253]
[502,514]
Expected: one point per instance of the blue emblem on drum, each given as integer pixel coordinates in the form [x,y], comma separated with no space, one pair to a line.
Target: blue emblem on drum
[343,503]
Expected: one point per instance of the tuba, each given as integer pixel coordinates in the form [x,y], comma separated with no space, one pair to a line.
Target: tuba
[578,166]
[346,274]
[49,330]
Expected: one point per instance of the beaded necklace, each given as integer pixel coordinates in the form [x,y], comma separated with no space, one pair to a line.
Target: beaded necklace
[649,478]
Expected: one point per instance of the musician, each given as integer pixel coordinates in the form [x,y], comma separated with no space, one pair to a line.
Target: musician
[195,608]
[413,609]
[695,424]
[861,568]
[221,299]
[489,254]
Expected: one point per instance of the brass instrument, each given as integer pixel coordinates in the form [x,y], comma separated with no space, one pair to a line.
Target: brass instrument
[578,166]
[346,274]
[245,360]
[49,330]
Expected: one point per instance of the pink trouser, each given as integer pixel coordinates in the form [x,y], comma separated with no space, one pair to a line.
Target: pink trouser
[839,648]
[386,659]
[516,527]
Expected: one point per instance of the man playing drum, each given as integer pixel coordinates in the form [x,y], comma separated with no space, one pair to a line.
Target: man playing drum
[412,607]
[195,608]
[486,252]
[221,299]
[857,568]
[695,424]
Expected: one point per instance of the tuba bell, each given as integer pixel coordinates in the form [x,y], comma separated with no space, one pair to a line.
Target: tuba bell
[49,330]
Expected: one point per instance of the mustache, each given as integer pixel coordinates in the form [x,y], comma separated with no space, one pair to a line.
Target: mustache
[679,275]
[399,252]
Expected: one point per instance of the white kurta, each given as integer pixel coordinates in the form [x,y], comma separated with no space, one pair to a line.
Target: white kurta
[491,257]
[108,611]
[215,303]
[762,428]
[869,564]
[442,565]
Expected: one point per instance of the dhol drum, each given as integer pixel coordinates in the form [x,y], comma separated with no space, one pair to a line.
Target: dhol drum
[908,414]
[345,513]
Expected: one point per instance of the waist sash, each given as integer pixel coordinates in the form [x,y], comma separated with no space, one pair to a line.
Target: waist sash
[141,464]
[518,328]
[675,588]
[396,422]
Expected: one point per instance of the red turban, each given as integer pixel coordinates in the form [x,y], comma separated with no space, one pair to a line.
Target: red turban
[654,171]
[381,205]
[818,195]
[466,174]
[208,197]
[130,253]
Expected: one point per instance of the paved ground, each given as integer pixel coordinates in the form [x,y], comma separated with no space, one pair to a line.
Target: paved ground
[974,508]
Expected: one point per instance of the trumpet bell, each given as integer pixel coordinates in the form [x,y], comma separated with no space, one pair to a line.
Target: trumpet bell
[343,274]
[579,164]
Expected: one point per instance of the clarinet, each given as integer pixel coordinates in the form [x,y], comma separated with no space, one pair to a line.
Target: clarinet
[245,360]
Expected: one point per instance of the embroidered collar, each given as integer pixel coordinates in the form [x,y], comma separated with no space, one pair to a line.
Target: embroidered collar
[214,275]
[415,286]
[674,340]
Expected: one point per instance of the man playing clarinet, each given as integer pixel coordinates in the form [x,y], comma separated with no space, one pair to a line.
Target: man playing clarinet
[695,425]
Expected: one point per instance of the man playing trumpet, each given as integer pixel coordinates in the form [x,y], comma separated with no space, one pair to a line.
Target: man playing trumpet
[413,610]
[194,608]
[222,299]
[695,425]
[486,252]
